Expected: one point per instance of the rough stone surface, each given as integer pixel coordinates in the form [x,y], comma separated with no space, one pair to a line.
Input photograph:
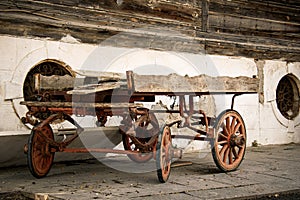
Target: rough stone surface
[267,171]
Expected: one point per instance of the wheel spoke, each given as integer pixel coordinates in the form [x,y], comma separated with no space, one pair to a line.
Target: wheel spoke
[230,156]
[241,150]
[223,149]
[228,125]
[233,124]
[225,155]
[222,142]
[39,164]
[163,164]
[225,130]
[234,153]
[166,141]
[237,126]
[43,163]
[222,135]
[166,168]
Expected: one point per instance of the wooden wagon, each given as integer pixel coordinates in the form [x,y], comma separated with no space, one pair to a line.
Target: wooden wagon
[58,98]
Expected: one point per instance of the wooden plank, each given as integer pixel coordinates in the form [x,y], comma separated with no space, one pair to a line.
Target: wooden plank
[96,83]
[79,105]
[287,12]
[54,82]
[247,25]
[183,10]
[94,88]
[175,83]
[260,18]
[102,76]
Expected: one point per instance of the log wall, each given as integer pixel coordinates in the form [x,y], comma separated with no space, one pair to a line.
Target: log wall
[260,29]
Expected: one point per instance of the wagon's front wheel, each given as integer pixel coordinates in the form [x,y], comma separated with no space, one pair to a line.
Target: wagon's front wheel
[39,155]
[230,141]
[164,154]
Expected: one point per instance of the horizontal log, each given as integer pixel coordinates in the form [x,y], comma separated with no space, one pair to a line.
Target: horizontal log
[89,84]
[79,105]
[54,82]
[175,83]
[152,84]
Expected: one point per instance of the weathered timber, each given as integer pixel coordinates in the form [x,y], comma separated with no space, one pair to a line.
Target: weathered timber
[54,82]
[102,75]
[78,86]
[153,84]
[94,88]
[105,80]
[176,84]
[251,28]
[79,105]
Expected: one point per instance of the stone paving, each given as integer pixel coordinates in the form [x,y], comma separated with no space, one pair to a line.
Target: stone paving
[267,171]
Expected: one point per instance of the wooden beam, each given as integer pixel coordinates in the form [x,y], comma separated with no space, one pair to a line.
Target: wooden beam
[79,105]
[174,83]
[85,85]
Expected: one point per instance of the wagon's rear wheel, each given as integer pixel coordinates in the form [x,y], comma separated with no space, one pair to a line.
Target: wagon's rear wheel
[130,145]
[164,154]
[146,127]
[230,141]
[39,156]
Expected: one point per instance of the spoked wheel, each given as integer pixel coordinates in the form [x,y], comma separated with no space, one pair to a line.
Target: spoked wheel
[146,129]
[164,154]
[39,156]
[230,141]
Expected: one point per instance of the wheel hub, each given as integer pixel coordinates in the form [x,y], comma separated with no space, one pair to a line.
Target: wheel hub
[236,140]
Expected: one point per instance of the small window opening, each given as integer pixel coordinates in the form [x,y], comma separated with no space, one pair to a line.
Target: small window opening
[46,68]
[287,96]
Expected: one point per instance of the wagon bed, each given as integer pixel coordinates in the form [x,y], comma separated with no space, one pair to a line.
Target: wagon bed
[59,97]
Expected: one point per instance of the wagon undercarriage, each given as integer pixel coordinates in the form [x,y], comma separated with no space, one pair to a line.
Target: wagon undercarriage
[143,137]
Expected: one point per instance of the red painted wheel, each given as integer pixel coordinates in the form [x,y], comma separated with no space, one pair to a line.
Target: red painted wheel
[39,156]
[164,154]
[146,128]
[230,141]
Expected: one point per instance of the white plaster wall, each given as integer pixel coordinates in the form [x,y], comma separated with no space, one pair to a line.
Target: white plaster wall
[18,56]
[263,122]
[274,127]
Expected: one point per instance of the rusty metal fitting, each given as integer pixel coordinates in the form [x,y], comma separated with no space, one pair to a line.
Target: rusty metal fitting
[29,119]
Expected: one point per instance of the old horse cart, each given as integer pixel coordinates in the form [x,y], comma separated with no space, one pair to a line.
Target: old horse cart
[58,98]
